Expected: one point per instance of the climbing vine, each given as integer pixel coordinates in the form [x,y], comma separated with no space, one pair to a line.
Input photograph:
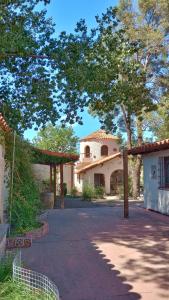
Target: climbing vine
[23,200]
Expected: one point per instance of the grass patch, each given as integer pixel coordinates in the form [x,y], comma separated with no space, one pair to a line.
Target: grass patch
[12,290]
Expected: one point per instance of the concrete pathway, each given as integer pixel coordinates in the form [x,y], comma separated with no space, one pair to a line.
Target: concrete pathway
[94,254]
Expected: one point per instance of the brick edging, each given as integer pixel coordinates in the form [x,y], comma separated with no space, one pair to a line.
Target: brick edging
[39,232]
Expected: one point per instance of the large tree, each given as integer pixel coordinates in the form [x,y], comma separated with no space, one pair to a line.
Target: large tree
[100,70]
[56,138]
[27,48]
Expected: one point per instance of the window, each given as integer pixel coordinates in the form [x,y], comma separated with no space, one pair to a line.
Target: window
[104,150]
[164,172]
[87,151]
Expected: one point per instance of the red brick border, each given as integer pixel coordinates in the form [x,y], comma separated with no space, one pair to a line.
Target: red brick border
[39,232]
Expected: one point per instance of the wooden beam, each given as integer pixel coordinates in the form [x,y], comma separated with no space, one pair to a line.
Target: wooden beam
[61,186]
[51,187]
[125,179]
[72,176]
[54,185]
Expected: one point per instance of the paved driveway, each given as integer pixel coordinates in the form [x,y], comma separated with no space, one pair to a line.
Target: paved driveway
[94,254]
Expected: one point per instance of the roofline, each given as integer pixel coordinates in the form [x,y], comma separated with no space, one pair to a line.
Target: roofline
[95,138]
[58,154]
[3,124]
[98,162]
[150,147]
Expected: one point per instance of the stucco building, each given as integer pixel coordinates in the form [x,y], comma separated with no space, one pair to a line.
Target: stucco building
[100,162]
[156,175]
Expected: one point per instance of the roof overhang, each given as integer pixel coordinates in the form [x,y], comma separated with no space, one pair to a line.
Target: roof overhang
[3,124]
[150,147]
[46,157]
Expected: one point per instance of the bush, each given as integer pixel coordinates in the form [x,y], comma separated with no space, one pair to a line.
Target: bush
[99,192]
[74,191]
[88,191]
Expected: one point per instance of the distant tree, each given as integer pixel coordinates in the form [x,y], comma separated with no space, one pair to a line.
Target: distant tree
[56,139]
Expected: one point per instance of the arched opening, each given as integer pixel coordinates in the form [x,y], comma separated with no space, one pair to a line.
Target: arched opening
[104,150]
[116,182]
[87,151]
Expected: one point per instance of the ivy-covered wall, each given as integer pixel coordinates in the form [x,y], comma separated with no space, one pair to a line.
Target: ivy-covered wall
[2,172]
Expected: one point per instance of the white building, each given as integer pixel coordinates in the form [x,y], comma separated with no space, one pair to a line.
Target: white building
[100,162]
[156,175]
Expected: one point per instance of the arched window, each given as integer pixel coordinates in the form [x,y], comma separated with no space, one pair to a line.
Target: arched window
[104,150]
[87,151]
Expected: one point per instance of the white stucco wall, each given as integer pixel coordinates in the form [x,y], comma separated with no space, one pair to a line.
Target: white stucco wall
[95,148]
[154,198]
[2,172]
[42,172]
[107,169]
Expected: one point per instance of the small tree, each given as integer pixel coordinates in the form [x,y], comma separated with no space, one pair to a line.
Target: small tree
[56,139]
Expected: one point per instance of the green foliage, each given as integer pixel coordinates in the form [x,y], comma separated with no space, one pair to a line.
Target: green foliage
[24,203]
[17,291]
[99,192]
[88,191]
[56,139]
[74,191]
[6,268]
[26,59]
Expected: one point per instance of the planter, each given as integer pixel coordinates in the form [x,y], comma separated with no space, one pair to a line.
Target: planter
[47,199]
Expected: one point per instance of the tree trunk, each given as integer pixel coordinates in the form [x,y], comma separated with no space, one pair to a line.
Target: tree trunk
[136,164]
[136,172]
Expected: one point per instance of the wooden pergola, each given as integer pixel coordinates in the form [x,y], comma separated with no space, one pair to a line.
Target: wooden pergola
[55,160]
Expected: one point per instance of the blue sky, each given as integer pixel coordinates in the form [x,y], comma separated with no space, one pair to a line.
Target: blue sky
[65,14]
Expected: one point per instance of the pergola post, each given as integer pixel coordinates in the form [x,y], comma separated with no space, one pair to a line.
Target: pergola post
[72,176]
[51,188]
[61,186]
[54,184]
[125,179]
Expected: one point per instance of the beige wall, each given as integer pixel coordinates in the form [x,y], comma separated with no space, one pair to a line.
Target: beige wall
[107,169]
[42,172]
[95,148]
[2,171]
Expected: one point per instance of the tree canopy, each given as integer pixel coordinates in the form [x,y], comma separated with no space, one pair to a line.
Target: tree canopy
[27,47]
[56,138]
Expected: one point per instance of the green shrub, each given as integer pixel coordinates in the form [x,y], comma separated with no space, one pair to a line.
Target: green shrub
[88,191]
[13,290]
[74,192]
[99,192]
[6,268]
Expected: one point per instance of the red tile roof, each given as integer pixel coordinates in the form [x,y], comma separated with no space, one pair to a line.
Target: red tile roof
[97,163]
[3,124]
[70,156]
[99,135]
[150,147]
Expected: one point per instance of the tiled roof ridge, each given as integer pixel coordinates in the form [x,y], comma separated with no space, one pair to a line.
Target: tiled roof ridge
[99,134]
[98,162]
[3,124]
[150,147]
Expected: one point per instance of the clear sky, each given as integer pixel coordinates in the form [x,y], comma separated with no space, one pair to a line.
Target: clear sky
[65,14]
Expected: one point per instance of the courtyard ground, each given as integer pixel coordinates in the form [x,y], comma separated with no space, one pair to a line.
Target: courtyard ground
[95,254]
